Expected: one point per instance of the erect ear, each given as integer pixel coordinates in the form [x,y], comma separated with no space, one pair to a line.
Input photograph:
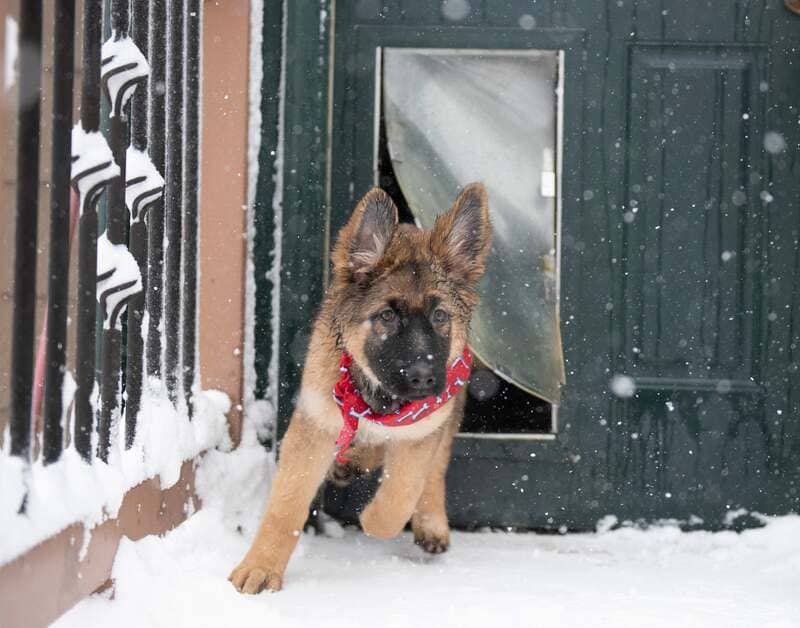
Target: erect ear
[462,236]
[363,240]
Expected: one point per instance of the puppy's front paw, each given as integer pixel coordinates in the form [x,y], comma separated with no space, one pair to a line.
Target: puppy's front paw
[432,544]
[431,532]
[376,523]
[253,576]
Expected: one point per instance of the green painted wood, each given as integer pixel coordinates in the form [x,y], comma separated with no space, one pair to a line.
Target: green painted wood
[668,107]
[263,212]
[304,220]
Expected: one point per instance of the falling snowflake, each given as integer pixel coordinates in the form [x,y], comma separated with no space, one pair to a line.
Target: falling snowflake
[774,142]
[455,10]
[623,386]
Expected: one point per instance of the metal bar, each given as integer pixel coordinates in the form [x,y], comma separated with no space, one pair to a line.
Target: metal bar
[29,46]
[191,143]
[112,337]
[173,194]
[58,275]
[90,85]
[139,35]
[109,392]
[117,215]
[118,136]
[85,333]
[120,21]
[116,230]
[138,242]
[155,214]
[87,240]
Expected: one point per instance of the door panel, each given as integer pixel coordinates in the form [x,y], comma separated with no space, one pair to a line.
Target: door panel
[692,211]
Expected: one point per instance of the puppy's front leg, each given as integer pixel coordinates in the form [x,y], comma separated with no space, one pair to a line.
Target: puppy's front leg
[407,465]
[429,523]
[306,454]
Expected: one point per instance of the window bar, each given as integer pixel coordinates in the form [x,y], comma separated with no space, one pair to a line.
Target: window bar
[118,277]
[155,215]
[190,192]
[29,74]
[58,275]
[173,194]
[89,186]
[137,198]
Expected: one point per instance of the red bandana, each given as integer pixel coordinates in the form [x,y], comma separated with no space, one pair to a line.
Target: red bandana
[353,406]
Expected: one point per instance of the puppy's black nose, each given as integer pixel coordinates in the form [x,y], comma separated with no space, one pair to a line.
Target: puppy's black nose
[420,377]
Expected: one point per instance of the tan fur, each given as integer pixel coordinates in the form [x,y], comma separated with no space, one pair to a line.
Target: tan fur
[404,473]
[429,523]
[305,457]
[415,457]
[361,459]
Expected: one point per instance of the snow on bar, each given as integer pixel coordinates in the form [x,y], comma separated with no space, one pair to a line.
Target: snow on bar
[123,68]
[143,185]
[93,165]
[118,278]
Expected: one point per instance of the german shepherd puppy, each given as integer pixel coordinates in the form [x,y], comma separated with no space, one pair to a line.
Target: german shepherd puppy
[399,304]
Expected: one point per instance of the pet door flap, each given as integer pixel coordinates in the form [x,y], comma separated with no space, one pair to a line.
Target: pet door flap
[457,116]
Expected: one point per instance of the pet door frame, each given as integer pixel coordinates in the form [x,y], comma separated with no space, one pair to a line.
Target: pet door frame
[558,164]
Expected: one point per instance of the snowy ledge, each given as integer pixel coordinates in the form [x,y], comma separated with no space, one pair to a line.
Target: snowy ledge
[71,491]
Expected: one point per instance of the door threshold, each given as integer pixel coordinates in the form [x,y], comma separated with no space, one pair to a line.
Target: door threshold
[506,436]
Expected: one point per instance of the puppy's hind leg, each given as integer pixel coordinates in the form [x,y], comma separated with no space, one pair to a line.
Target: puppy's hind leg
[362,459]
[305,455]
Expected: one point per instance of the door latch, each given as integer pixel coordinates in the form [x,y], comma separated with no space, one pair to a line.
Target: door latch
[548,177]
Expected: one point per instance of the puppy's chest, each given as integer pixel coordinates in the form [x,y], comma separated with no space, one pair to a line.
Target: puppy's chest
[371,432]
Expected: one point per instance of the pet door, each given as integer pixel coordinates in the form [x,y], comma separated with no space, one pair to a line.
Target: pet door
[449,117]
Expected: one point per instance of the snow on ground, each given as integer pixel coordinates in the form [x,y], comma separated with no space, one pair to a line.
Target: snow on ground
[626,577]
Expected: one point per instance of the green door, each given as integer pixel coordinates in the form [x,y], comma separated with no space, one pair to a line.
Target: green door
[675,239]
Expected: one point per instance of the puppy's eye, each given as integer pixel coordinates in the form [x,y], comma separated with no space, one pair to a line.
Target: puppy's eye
[388,315]
[440,316]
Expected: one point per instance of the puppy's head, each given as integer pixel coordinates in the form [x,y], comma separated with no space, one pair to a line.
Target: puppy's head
[404,296]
